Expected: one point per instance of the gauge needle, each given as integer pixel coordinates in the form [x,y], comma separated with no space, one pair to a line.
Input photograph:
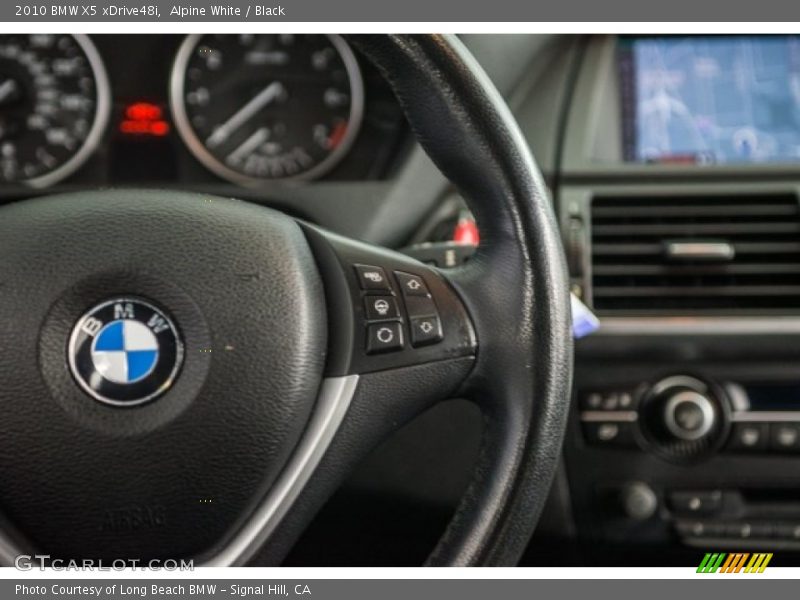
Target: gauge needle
[244,114]
[247,147]
[8,87]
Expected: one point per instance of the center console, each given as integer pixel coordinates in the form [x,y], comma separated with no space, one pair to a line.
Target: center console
[688,422]
[679,200]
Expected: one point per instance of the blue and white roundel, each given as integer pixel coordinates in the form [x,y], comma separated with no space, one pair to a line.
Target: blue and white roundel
[125,351]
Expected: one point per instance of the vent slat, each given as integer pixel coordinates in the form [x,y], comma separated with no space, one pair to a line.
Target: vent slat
[661,211]
[623,248]
[707,269]
[694,229]
[754,290]
[631,272]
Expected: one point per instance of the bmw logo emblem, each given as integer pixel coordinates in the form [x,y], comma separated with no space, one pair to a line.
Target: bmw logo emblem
[125,352]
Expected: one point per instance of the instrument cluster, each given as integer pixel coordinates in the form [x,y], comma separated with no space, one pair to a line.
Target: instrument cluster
[248,109]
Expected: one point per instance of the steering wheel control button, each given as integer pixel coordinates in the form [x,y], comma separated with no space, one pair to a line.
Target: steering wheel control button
[420,306]
[384,337]
[381,307]
[425,331]
[125,352]
[372,278]
[412,285]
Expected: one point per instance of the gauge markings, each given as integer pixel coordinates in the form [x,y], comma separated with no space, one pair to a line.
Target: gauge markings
[221,134]
[282,106]
[248,146]
[8,89]
[54,98]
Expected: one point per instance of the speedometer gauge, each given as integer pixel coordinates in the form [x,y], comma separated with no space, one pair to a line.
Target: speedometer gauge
[54,105]
[255,108]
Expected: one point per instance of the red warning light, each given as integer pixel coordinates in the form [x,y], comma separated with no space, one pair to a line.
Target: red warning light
[337,135]
[144,118]
[466,231]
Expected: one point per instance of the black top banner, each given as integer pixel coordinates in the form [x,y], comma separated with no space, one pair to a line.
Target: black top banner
[443,11]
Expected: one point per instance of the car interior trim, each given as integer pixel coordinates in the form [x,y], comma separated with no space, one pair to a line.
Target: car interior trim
[603,416]
[694,325]
[782,416]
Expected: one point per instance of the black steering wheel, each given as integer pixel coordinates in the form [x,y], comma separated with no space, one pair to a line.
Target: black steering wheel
[193,376]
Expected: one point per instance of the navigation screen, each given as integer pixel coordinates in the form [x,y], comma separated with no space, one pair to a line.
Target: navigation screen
[711,99]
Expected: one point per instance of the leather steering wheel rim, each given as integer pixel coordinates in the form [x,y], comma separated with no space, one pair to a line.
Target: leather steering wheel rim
[515,288]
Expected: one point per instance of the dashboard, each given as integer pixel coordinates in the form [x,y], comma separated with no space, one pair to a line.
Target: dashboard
[678,198]
[244,111]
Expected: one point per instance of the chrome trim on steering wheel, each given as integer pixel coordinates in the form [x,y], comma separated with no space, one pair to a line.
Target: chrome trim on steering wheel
[335,396]
[334,399]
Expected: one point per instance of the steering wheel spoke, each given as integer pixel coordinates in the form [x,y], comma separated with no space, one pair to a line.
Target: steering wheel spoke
[385,367]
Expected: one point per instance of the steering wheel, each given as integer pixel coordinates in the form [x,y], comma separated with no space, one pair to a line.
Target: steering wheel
[193,376]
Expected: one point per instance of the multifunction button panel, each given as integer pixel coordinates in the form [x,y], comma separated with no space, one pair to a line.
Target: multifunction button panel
[387,325]
[386,310]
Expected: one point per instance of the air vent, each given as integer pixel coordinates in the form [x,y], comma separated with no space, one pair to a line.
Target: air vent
[694,255]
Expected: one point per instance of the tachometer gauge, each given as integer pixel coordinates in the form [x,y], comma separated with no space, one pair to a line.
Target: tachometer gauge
[54,105]
[255,108]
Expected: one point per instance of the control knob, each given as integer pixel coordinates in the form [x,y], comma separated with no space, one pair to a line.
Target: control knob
[689,415]
[684,418]
[639,501]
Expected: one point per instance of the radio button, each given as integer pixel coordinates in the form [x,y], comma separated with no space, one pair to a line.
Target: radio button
[691,528]
[609,433]
[696,503]
[739,531]
[762,530]
[591,401]
[749,437]
[608,400]
[787,531]
[785,437]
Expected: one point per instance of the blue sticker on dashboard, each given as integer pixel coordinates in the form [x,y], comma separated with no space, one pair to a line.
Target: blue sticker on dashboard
[584,321]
